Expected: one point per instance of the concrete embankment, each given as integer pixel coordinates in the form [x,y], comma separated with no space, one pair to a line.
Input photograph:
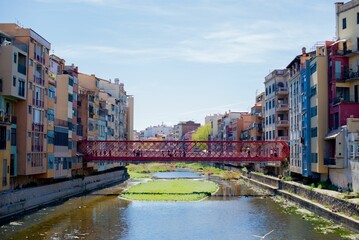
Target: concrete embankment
[19,201]
[338,210]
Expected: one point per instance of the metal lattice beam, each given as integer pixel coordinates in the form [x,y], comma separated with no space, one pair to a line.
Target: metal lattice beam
[191,151]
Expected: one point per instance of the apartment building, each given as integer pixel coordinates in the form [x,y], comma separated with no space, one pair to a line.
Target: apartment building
[276,106]
[121,109]
[184,127]
[315,114]
[32,90]
[343,93]
[276,112]
[130,112]
[213,121]
[13,78]
[294,78]
[63,134]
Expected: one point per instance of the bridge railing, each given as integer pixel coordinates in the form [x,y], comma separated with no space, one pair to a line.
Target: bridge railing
[244,151]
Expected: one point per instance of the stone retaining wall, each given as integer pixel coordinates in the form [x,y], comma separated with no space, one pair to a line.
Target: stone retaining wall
[322,204]
[334,203]
[17,201]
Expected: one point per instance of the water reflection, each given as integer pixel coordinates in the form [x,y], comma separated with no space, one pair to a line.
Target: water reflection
[103,215]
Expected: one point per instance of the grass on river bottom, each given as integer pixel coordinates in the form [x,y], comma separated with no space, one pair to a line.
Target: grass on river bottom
[171,190]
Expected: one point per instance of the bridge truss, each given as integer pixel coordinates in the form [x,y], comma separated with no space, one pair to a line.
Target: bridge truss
[184,151]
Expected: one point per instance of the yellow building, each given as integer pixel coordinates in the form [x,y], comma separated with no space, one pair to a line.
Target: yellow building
[318,111]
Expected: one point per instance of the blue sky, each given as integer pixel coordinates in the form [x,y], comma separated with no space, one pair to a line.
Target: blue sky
[182,60]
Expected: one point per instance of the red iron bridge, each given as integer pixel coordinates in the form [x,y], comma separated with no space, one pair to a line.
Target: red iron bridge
[184,151]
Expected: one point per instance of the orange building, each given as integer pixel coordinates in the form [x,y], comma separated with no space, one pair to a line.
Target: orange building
[31,133]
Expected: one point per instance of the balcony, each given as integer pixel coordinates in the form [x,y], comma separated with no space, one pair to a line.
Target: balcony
[37,148]
[351,76]
[5,118]
[282,123]
[37,127]
[283,138]
[282,107]
[61,123]
[39,80]
[282,91]
[37,103]
[334,162]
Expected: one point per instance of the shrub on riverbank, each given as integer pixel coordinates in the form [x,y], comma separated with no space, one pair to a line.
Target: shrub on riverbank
[143,170]
[150,167]
[171,190]
[210,171]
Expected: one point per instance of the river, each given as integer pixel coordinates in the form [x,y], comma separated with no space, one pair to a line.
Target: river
[234,212]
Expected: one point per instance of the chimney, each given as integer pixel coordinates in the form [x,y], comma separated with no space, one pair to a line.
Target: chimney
[304,50]
[117,81]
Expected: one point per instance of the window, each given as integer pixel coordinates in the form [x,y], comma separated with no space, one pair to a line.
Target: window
[70,98]
[37,116]
[0,85]
[50,137]
[313,90]
[344,23]
[4,169]
[338,67]
[314,157]
[61,138]
[313,69]
[29,109]
[13,136]
[313,111]
[71,81]
[2,137]
[52,93]
[357,17]
[21,88]
[314,132]
[14,81]
[50,115]
[15,57]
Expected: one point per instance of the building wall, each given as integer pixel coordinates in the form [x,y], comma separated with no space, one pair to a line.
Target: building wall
[320,101]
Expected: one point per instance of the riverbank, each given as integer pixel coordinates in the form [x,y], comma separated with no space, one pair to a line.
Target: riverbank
[23,200]
[322,202]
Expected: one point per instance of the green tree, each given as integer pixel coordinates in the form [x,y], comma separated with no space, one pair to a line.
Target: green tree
[202,133]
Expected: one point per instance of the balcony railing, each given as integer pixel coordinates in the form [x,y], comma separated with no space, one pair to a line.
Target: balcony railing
[37,103]
[39,80]
[282,90]
[37,127]
[284,138]
[37,148]
[329,161]
[282,107]
[60,122]
[282,123]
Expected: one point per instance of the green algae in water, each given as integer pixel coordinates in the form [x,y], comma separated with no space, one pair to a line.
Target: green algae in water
[321,224]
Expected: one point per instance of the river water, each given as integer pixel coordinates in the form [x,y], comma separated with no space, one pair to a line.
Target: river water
[234,212]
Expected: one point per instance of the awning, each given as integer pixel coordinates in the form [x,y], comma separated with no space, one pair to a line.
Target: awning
[333,134]
[338,41]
